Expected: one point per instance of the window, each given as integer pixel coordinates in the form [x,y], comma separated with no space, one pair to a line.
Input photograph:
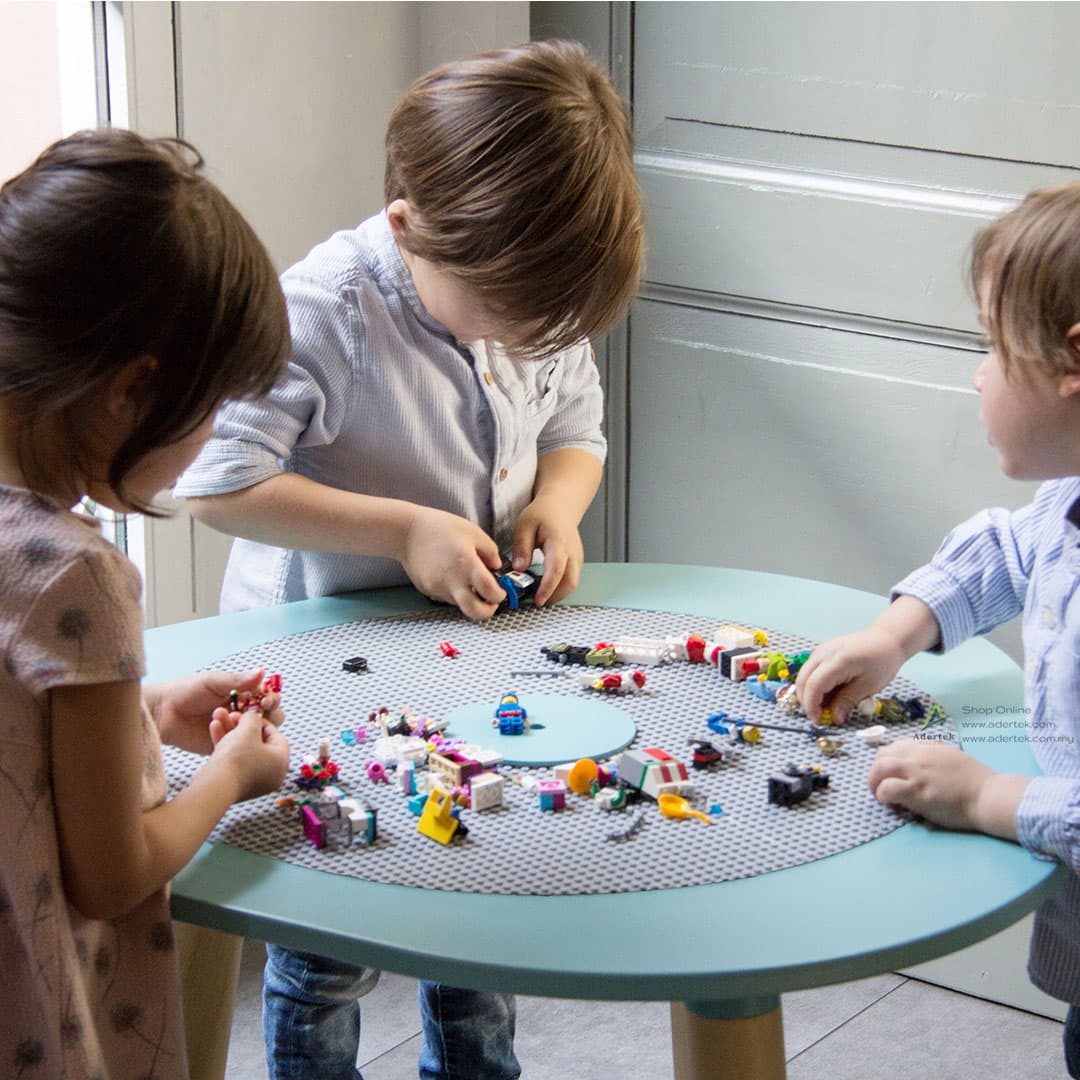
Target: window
[50,56]
[47,65]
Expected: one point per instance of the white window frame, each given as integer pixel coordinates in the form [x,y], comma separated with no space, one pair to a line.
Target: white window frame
[142,96]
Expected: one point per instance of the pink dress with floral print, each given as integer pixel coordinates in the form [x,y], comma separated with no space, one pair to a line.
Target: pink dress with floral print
[82,999]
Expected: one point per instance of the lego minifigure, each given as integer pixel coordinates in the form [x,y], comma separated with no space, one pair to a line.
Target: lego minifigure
[796,784]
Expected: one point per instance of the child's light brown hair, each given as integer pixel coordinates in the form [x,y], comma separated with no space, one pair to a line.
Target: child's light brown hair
[1025,272]
[519,166]
[114,246]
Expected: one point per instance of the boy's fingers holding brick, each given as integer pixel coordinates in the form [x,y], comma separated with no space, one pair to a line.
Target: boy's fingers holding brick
[475,607]
[486,588]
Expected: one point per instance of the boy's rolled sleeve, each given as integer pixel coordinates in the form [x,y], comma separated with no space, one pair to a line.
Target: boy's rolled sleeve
[254,440]
[227,464]
[1048,819]
[978,578]
[946,600]
[577,422]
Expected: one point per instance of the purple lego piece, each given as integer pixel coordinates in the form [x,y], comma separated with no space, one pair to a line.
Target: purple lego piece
[314,827]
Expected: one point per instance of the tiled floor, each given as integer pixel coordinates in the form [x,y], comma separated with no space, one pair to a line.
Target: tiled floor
[885,1028]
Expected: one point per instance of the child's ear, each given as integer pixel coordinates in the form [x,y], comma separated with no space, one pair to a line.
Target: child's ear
[1069,385]
[399,213]
[130,391]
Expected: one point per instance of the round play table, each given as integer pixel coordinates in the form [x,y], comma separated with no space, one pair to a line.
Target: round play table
[907,897]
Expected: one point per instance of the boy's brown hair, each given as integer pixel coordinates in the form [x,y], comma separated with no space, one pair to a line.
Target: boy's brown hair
[114,246]
[1025,272]
[518,164]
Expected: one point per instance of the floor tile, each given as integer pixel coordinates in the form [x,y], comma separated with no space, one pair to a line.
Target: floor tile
[561,1038]
[246,1059]
[389,1016]
[567,1040]
[919,1031]
[396,1064]
[810,1015]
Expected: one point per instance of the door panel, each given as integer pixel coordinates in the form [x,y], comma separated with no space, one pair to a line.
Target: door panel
[799,449]
[764,232]
[989,79]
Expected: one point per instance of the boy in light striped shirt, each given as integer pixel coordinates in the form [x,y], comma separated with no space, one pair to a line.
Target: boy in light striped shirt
[441,411]
[1025,271]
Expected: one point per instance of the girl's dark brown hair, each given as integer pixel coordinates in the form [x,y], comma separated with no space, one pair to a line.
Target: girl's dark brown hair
[1025,273]
[519,165]
[114,246]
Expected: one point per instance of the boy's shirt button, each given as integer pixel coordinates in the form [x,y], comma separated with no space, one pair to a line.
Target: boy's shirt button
[502,474]
[488,378]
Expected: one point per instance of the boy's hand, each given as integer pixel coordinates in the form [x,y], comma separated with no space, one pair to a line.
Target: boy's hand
[451,559]
[184,708]
[544,524]
[946,786]
[254,750]
[843,671]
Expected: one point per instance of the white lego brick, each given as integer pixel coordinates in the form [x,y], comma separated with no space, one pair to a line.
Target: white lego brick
[738,664]
[488,758]
[733,637]
[641,650]
[486,791]
[562,772]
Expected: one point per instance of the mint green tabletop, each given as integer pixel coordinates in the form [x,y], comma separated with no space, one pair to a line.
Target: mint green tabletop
[909,896]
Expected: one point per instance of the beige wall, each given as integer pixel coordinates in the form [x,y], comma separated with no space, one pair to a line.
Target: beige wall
[29,82]
[449,30]
[288,102]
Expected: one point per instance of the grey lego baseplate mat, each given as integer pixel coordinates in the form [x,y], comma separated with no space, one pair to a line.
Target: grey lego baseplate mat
[521,848]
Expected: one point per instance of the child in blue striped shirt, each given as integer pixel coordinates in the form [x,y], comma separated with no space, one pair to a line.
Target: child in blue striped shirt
[1025,270]
[441,411]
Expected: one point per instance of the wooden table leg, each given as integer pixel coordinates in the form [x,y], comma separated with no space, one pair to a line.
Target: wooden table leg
[209,970]
[712,1041]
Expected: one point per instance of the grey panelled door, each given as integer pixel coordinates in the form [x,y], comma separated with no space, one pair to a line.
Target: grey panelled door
[800,365]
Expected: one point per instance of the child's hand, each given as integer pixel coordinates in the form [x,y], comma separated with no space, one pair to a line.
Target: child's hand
[254,750]
[946,786]
[843,671]
[545,524]
[451,559]
[184,708]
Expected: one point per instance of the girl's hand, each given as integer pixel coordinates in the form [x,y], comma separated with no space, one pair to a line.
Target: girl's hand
[254,750]
[451,559]
[545,524]
[184,708]
[946,786]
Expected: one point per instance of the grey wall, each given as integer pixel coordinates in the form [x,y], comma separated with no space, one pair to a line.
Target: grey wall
[289,101]
[798,378]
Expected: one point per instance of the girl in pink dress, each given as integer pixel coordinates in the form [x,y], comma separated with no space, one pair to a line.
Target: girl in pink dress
[133,299]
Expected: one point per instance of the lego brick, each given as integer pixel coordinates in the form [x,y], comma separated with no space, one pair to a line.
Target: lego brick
[486,791]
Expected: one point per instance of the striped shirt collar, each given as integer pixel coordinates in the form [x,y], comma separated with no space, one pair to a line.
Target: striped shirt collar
[1072,515]
[389,270]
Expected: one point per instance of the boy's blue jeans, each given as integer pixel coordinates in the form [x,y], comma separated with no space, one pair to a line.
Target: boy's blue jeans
[311,1023]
